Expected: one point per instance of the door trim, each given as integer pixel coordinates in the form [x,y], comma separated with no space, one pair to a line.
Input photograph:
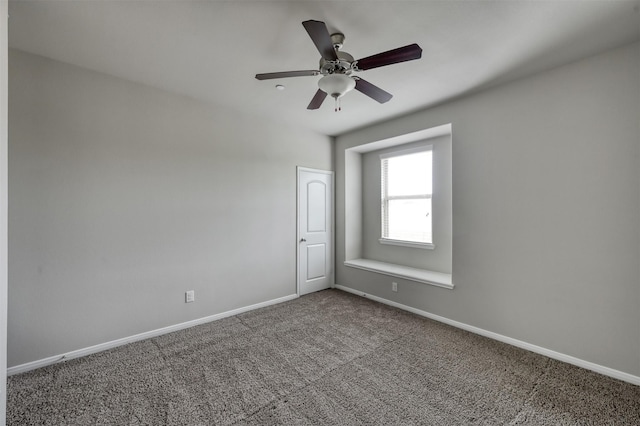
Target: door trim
[331,230]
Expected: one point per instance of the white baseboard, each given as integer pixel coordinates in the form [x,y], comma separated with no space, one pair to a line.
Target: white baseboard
[616,374]
[137,337]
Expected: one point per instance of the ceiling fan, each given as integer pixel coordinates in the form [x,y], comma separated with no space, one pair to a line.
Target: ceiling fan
[337,67]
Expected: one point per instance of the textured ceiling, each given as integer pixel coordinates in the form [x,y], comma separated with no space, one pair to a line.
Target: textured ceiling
[211,50]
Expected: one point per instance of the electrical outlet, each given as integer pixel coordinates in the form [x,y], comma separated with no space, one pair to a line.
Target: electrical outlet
[394,286]
[189,296]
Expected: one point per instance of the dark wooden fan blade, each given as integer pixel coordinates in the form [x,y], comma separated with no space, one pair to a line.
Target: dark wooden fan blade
[374,92]
[317,100]
[284,74]
[320,36]
[401,54]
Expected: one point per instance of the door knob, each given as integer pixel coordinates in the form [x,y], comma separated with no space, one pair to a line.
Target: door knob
[302,240]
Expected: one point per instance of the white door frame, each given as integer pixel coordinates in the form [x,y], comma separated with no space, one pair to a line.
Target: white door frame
[331,230]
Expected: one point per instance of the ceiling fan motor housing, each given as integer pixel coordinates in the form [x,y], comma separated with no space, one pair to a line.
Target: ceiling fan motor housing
[343,65]
[344,62]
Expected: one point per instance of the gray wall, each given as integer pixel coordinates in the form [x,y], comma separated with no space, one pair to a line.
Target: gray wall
[4,261]
[546,210]
[122,197]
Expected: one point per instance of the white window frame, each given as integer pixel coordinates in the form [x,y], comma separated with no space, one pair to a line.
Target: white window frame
[385,199]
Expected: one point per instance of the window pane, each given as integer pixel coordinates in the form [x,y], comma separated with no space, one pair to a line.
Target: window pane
[409,174]
[410,220]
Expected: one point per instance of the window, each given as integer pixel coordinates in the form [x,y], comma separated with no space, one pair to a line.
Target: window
[406,197]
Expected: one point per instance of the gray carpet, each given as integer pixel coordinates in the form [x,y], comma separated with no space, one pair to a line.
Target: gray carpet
[329,358]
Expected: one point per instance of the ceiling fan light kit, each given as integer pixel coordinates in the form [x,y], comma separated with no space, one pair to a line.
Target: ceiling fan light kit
[336,85]
[337,66]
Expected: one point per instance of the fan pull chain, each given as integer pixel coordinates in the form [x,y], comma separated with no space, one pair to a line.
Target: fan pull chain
[337,107]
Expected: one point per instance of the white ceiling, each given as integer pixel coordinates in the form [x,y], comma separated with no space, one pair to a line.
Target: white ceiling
[211,50]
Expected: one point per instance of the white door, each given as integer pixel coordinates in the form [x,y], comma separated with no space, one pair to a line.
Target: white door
[315,230]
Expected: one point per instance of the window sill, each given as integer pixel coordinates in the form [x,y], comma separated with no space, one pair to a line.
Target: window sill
[424,276]
[403,243]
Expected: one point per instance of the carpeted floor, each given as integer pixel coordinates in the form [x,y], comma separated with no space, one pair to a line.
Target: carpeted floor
[328,358]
